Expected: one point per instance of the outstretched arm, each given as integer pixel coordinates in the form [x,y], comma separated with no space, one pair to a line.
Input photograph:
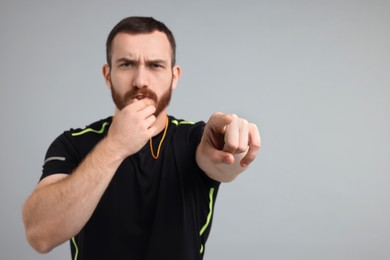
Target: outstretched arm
[229,144]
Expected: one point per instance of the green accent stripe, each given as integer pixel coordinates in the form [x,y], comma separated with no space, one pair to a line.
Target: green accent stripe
[210,212]
[182,122]
[87,130]
[201,249]
[76,247]
[211,199]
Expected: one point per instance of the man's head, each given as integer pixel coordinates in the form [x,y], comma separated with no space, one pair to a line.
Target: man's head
[139,25]
[141,63]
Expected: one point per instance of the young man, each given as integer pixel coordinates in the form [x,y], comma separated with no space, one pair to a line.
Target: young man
[140,184]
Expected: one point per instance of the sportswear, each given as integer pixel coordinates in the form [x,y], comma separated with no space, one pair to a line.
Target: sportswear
[153,208]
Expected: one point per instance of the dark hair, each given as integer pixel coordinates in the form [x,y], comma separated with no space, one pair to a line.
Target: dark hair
[139,25]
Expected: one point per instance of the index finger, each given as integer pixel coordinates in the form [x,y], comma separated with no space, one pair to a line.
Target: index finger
[218,121]
[136,105]
[140,104]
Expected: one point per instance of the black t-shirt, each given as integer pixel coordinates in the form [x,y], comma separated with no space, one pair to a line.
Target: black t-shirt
[153,208]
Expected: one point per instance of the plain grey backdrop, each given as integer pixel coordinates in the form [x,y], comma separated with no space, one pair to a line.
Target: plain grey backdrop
[313,75]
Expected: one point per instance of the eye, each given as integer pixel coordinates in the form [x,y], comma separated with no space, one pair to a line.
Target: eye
[125,64]
[156,66]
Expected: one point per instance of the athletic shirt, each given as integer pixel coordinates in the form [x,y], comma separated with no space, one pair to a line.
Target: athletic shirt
[153,208]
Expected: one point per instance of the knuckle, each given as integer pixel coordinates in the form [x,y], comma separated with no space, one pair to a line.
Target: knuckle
[254,127]
[231,147]
[250,158]
[256,146]
[215,114]
[242,148]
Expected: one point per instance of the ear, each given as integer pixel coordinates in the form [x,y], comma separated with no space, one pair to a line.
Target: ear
[176,73]
[107,75]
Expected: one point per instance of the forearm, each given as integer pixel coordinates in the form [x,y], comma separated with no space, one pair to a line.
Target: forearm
[57,211]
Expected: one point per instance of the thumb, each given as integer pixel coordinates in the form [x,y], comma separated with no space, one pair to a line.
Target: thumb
[219,156]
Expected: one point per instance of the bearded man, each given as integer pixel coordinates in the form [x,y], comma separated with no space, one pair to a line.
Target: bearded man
[140,184]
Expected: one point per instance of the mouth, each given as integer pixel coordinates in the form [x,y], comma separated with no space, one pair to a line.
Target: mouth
[136,95]
[139,97]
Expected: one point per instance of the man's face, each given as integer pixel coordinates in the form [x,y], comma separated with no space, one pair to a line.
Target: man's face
[141,68]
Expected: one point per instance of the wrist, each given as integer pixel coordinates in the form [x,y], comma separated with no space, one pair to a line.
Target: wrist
[112,149]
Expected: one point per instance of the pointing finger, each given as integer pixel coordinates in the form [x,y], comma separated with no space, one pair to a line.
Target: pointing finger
[243,136]
[218,122]
[232,133]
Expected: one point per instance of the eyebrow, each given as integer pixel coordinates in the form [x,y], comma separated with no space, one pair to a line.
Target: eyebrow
[123,59]
[158,61]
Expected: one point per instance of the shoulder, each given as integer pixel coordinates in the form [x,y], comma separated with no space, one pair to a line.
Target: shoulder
[184,124]
[186,132]
[70,147]
[186,127]
[80,140]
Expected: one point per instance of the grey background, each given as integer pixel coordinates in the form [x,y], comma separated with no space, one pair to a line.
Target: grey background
[313,75]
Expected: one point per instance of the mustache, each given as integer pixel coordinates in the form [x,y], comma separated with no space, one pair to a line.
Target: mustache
[133,93]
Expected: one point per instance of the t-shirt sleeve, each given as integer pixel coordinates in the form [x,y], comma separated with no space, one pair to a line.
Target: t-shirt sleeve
[61,157]
[195,135]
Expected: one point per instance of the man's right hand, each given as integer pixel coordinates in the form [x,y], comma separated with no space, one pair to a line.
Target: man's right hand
[132,127]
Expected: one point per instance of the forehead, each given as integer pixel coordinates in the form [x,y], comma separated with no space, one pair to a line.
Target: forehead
[151,45]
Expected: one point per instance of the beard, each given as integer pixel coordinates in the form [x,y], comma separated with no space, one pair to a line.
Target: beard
[160,103]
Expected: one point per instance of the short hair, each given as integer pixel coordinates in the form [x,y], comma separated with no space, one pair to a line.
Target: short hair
[139,25]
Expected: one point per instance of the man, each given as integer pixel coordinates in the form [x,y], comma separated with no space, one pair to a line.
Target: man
[140,184]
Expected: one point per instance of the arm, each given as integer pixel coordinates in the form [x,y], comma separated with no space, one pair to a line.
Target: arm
[228,145]
[62,204]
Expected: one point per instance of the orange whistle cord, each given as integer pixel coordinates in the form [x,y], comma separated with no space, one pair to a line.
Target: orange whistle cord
[159,145]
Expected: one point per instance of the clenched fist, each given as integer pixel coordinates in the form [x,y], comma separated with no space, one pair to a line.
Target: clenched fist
[229,144]
[132,127]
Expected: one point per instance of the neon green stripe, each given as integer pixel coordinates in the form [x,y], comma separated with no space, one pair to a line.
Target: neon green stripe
[201,249]
[208,217]
[182,122]
[91,130]
[210,212]
[77,249]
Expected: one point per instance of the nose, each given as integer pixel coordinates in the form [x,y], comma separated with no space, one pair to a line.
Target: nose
[141,78]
